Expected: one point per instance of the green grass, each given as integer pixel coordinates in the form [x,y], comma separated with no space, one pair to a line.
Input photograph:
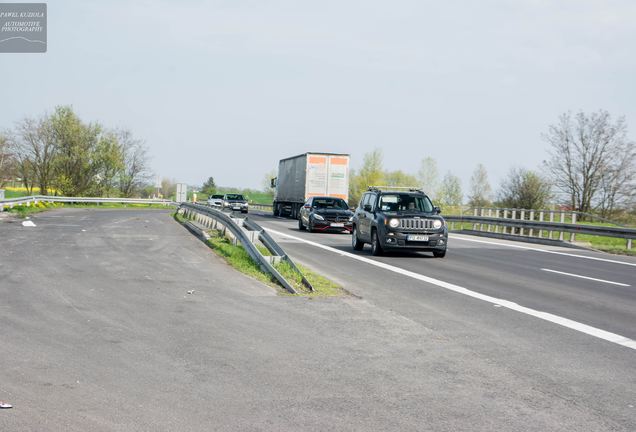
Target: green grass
[238,258]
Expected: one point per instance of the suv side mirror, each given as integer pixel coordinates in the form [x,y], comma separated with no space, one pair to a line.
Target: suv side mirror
[437,210]
[367,207]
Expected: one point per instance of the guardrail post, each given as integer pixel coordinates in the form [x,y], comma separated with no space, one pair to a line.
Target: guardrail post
[572,235]
[562,221]
[497,217]
[629,243]
[481,214]
[505,215]
[531,231]
[489,215]
[541,220]
[513,216]
[551,220]
[522,217]
[475,214]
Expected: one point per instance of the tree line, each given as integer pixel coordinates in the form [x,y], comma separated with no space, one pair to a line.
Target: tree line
[591,168]
[61,154]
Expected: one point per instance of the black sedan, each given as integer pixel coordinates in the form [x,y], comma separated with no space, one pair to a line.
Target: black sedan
[325,214]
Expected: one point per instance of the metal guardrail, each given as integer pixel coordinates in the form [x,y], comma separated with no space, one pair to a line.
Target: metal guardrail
[530,226]
[34,199]
[242,235]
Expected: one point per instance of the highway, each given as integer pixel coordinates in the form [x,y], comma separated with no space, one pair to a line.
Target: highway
[99,332]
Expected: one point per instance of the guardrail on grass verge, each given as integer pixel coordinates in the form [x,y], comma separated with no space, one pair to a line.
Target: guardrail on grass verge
[211,217]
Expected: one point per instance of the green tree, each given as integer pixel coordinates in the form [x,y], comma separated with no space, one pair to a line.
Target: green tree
[371,174]
[400,178]
[76,143]
[109,163]
[209,187]
[524,189]
[480,189]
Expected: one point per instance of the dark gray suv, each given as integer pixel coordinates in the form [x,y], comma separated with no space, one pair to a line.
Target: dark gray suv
[398,219]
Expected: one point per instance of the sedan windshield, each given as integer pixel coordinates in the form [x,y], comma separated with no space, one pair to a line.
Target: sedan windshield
[330,203]
[237,197]
[405,202]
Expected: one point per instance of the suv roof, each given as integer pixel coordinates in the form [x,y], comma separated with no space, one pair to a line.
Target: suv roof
[394,189]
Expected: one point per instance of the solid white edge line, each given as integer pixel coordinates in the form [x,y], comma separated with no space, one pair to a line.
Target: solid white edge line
[565,322]
[585,277]
[542,250]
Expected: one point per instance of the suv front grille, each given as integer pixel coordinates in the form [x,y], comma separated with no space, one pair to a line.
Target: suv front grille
[416,224]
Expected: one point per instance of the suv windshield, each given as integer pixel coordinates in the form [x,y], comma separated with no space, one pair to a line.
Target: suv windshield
[234,197]
[405,202]
[330,203]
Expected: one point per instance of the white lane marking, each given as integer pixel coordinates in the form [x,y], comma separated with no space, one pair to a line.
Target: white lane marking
[585,277]
[543,250]
[565,322]
[28,224]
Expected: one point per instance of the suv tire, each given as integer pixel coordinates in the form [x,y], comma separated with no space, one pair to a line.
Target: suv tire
[355,242]
[439,253]
[376,247]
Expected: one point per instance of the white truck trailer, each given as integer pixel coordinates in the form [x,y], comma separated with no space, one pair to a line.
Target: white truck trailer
[308,175]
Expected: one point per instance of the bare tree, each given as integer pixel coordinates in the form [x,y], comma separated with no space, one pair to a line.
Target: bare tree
[588,156]
[480,189]
[7,160]
[136,171]
[450,191]
[524,189]
[429,177]
[35,151]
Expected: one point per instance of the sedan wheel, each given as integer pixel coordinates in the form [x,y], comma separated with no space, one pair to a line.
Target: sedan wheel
[301,227]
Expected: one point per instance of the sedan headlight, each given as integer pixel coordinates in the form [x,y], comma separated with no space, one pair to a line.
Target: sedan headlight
[437,224]
[394,223]
[351,219]
[317,216]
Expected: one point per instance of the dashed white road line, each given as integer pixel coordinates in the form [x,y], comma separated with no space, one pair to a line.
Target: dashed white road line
[565,322]
[543,250]
[585,277]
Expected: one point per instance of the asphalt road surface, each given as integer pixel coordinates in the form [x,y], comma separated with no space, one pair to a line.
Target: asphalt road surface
[98,333]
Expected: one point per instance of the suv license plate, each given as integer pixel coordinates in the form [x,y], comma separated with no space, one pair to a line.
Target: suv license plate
[236,208]
[337,225]
[414,237]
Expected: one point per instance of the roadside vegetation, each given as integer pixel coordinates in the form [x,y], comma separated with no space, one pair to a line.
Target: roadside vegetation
[23,211]
[238,258]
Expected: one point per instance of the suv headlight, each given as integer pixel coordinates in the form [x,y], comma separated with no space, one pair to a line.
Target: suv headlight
[437,224]
[394,223]
[317,216]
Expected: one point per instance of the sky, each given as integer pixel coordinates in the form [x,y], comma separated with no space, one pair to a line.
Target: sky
[227,88]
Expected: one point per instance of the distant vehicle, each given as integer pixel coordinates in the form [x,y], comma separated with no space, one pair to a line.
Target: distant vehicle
[216,200]
[398,218]
[325,214]
[308,175]
[235,202]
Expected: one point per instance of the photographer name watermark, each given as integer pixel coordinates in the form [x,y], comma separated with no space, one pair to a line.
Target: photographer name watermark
[22,27]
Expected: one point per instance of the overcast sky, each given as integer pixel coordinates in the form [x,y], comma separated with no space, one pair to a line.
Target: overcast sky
[227,88]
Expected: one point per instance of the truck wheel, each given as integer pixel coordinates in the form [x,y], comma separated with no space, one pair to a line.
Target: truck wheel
[275,209]
[355,241]
[376,247]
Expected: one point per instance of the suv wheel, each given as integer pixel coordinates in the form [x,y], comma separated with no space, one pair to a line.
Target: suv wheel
[376,247]
[355,241]
[301,227]
[439,253]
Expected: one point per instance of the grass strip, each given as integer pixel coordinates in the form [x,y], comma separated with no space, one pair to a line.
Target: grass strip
[238,258]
